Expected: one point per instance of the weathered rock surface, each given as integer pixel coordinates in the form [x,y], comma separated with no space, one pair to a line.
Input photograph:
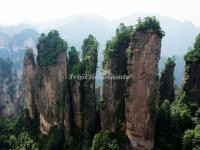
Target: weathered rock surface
[113,104]
[10,93]
[191,82]
[29,72]
[167,89]
[89,108]
[51,102]
[75,97]
[142,89]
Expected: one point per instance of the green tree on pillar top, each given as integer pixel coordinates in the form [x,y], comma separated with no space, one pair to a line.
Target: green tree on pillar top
[74,63]
[49,47]
[90,54]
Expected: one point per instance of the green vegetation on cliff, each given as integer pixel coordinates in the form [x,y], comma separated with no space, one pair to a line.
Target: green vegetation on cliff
[19,133]
[122,37]
[150,23]
[74,63]
[167,87]
[29,53]
[191,83]
[184,111]
[181,120]
[109,141]
[194,54]
[191,139]
[5,67]
[90,54]
[172,121]
[49,47]
[162,129]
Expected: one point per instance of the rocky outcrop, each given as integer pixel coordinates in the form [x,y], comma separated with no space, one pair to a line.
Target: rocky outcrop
[112,105]
[51,102]
[10,93]
[45,84]
[29,71]
[167,89]
[142,88]
[74,69]
[114,88]
[90,55]
[75,97]
[191,84]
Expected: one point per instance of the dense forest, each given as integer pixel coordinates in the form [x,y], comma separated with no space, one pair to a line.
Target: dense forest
[143,111]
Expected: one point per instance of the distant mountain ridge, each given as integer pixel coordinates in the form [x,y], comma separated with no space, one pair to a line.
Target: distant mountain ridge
[179,35]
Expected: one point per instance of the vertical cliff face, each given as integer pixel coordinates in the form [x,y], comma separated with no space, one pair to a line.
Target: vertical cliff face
[29,71]
[167,90]
[9,89]
[115,65]
[50,100]
[74,69]
[45,83]
[112,106]
[75,91]
[90,55]
[191,82]
[142,88]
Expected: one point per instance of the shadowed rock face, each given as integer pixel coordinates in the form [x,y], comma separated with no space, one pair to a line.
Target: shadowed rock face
[191,83]
[51,100]
[89,108]
[167,90]
[142,89]
[10,93]
[75,97]
[112,106]
[29,72]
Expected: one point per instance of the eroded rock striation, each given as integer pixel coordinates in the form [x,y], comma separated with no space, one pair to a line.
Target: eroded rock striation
[50,98]
[114,87]
[29,72]
[74,70]
[167,89]
[142,88]
[45,83]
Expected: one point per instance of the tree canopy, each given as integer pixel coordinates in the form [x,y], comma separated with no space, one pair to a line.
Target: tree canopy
[122,37]
[191,139]
[90,54]
[74,62]
[194,54]
[49,47]
[150,23]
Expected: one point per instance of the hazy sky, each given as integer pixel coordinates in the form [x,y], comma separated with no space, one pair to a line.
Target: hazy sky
[16,11]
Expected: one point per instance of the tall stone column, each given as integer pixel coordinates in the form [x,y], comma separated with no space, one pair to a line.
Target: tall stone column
[142,88]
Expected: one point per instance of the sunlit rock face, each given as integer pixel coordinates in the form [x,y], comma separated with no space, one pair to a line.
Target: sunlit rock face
[51,101]
[140,105]
[29,71]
